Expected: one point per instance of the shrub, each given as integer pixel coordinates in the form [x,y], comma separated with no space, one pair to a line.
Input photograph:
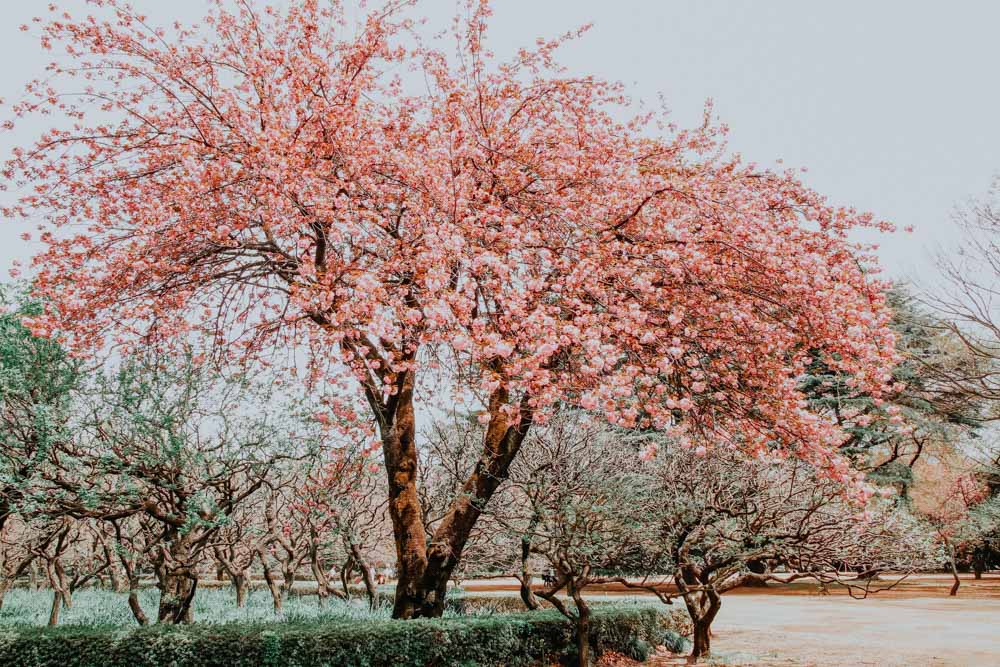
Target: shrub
[535,638]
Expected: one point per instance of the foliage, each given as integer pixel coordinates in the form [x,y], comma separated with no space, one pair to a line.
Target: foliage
[886,434]
[535,638]
[37,377]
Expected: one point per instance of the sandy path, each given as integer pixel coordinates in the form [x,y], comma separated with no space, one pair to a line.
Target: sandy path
[840,631]
[915,625]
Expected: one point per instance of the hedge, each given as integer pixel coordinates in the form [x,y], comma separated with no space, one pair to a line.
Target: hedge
[532,638]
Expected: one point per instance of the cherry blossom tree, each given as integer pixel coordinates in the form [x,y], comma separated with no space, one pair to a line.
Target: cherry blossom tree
[509,232]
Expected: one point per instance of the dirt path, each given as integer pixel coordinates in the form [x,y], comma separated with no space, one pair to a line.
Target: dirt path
[915,625]
[786,630]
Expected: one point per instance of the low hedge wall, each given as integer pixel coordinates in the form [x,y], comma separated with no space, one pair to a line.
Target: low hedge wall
[533,638]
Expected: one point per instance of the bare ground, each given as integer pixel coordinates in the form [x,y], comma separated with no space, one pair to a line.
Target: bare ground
[913,625]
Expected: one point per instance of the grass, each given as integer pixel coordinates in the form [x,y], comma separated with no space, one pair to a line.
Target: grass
[101,608]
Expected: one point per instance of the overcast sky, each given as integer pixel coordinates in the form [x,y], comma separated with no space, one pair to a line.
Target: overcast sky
[892,105]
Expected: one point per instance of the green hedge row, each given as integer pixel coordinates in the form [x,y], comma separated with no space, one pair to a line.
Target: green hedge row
[535,638]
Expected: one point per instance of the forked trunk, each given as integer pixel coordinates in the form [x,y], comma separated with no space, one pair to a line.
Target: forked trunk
[424,571]
[702,605]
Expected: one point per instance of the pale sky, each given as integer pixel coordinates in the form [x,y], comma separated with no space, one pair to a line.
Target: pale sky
[892,105]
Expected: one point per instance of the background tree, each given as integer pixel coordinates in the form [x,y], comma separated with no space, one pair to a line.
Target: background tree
[886,435]
[37,378]
[167,437]
[722,513]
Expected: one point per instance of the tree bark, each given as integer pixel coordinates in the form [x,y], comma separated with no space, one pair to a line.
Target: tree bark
[345,577]
[136,606]
[240,583]
[583,656]
[954,571]
[57,603]
[703,603]
[366,574]
[702,641]
[424,571]
[176,595]
[277,590]
[399,452]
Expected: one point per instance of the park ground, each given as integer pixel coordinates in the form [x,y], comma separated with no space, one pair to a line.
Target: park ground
[913,625]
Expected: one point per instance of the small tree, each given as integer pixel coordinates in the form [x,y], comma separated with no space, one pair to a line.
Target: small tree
[579,499]
[37,379]
[168,438]
[727,520]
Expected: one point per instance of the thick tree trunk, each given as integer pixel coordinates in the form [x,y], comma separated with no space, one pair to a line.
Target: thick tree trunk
[702,641]
[702,605]
[424,571]
[399,451]
[176,595]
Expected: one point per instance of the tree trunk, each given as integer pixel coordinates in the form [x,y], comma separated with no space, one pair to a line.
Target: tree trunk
[527,596]
[136,606]
[424,572]
[176,595]
[399,452]
[583,656]
[117,585]
[57,603]
[345,577]
[64,587]
[954,571]
[277,590]
[240,583]
[979,560]
[702,640]
[366,573]
[133,591]
[702,605]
